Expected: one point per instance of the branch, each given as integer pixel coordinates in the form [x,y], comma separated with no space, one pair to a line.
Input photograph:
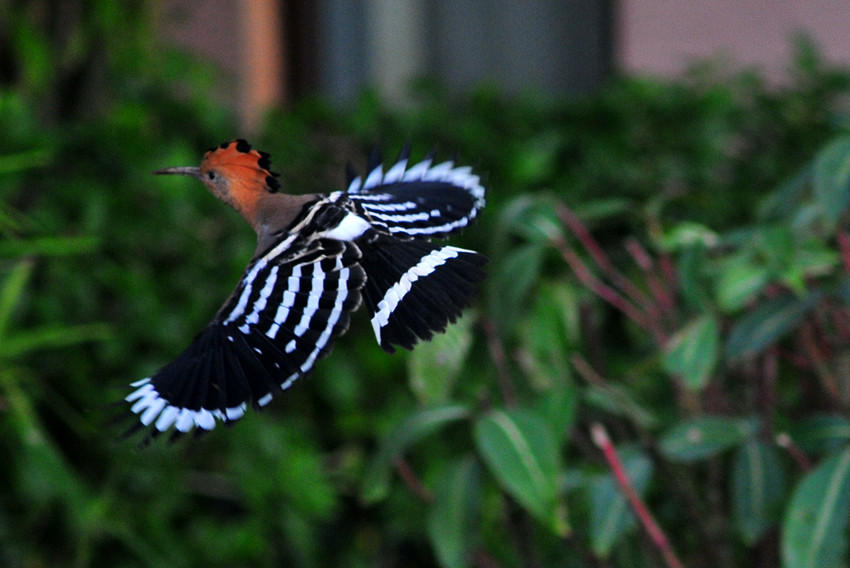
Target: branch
[497,352]
[638,296]
[586,277]
[797,454]
[575,225]
[819,362]
[656,534]
[661,292]
[844,246]
[412,480]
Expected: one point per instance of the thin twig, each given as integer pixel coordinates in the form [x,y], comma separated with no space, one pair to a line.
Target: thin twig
[844,246]
[521,529]
[574,224]
[841,322]
[586,277]
[412,480]
[656,534]
[585,370]
[797,454]
[767,390]
[665,301]
[497,353]
[483,560]
[668,270]
[819,362]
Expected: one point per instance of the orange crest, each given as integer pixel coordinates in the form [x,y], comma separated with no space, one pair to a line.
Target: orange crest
[241,165]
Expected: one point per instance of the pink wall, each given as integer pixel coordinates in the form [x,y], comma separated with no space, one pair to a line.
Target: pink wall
[661,37]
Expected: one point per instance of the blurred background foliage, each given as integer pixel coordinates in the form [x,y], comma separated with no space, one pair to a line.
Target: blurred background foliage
[669,260]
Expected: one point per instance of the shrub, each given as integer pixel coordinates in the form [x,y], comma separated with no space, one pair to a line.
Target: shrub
[667,299]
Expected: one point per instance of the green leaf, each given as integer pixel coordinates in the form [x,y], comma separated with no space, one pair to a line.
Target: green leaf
[842,290]
[610,514]
[434,365]
[533,218]
[603,208]
[831,179]
[815,258]
[784,202]
[692,281]
[520,451]
[11,291]
[535,159]
[559,408]
[457,501]
[417,426]
[739,279]
[815,524]
[549,334]
[51,336]
[688,234]
[617,400]
[758,489]
[821,433]
[512,279]
[777,243]
[706,436]
[692,352]
[48,246]
[11,163]
[769,322]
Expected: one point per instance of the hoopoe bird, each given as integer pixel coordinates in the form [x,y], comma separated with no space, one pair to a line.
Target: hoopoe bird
[318,257]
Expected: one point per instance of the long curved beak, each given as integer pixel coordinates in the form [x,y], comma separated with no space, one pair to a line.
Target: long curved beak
[180,171]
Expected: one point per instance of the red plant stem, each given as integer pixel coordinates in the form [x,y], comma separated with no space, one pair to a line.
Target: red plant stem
[668,270]
[656,534]
[497,353]
[607,293]
[797,454]
[767,389]
[841,321]
[792,357]
[664,301]
[412,480]
[844,246]
[602,260]
[484,560]
[819,363]
[584,369]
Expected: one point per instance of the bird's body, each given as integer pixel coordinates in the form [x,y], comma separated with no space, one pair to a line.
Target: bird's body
[318,257]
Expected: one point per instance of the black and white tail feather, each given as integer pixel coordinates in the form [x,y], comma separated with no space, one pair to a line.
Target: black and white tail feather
[369,243]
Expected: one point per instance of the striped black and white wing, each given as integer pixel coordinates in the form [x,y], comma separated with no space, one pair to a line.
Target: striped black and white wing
[415,288]
[289,305]
[422,201]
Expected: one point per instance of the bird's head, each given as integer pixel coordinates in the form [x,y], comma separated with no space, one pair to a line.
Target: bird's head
[235,173]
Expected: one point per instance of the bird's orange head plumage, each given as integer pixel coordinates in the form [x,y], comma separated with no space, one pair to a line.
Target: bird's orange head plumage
[235,173]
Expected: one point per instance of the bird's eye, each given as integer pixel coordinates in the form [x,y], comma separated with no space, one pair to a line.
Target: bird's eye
[211,175]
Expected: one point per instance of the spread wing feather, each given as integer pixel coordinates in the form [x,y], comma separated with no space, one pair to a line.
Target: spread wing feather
[288,306]
[422,201]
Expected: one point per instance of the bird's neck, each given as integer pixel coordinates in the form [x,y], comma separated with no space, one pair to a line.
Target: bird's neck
[274,213]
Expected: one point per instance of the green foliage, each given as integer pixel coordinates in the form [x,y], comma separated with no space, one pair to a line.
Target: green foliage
[523,456]
[758,489]
[816,520]
[668,259]
[610,516]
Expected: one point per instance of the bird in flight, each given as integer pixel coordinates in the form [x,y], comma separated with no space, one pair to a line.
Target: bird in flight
[318,257]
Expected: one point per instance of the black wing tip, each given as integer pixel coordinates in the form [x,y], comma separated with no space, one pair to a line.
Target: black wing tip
[375,157]
[350,173]
[404,153]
